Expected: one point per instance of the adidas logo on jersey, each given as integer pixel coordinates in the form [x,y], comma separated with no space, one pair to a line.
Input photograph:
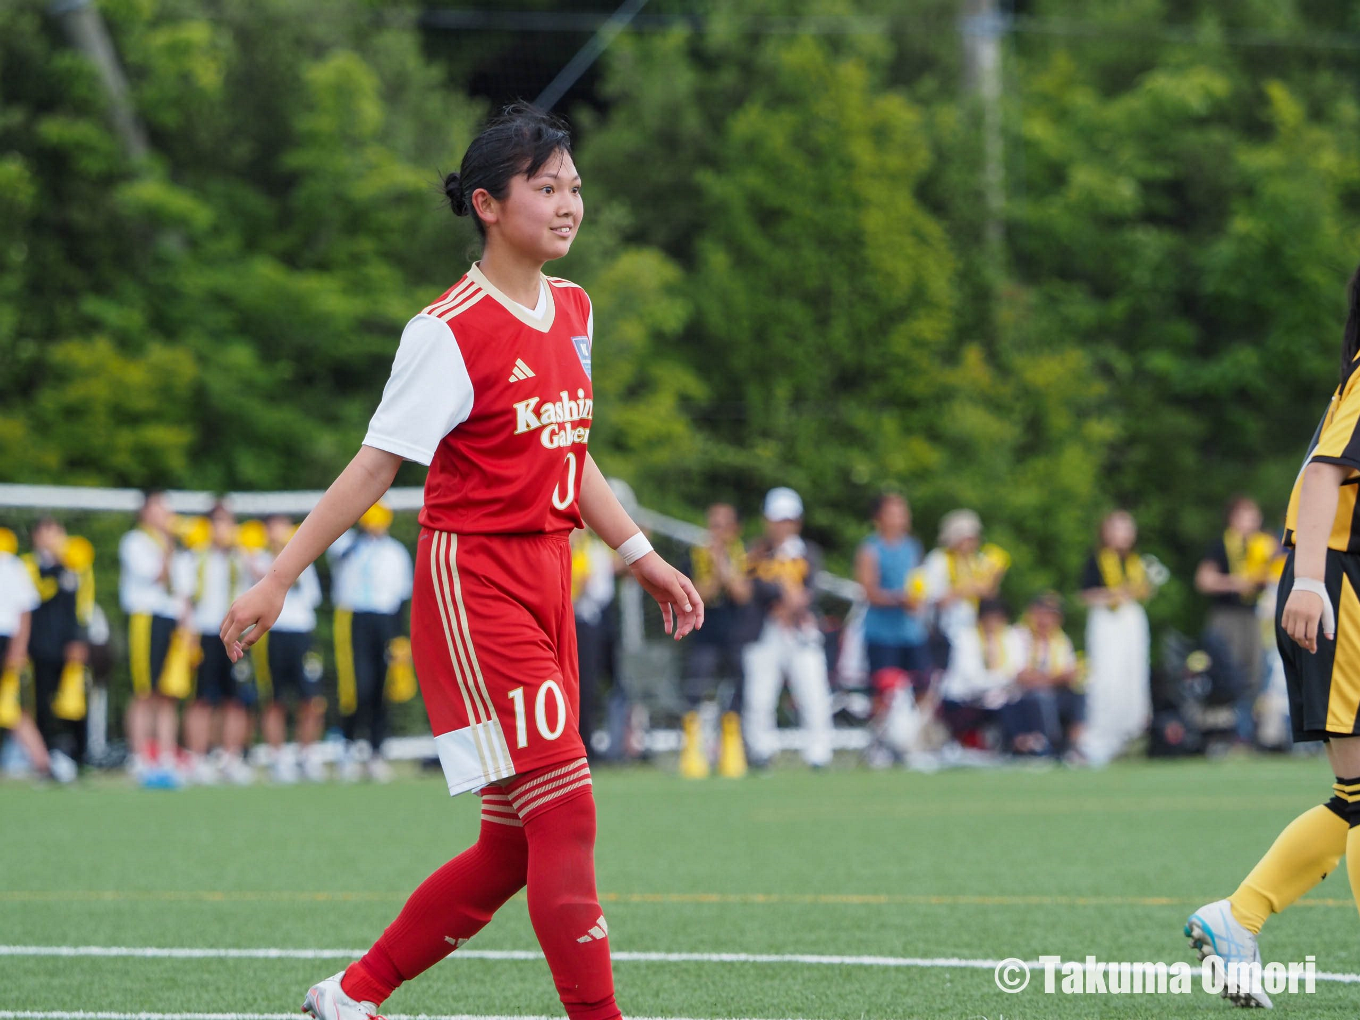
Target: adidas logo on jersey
[521,372]
[598,932]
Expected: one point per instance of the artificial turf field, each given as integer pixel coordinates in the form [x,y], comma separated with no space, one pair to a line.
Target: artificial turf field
[975,865]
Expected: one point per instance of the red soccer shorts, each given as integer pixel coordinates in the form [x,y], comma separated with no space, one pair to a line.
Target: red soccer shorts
[493,637]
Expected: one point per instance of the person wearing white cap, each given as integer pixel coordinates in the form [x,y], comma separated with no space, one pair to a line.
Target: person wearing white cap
[789,643]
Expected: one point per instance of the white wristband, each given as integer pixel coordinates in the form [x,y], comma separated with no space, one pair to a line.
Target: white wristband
[634,549]
[1320,589]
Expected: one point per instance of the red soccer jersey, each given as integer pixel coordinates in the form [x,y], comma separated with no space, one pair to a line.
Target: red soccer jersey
[496,399]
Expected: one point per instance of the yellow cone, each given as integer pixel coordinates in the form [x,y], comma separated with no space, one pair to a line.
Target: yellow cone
[732,755]
[693,761]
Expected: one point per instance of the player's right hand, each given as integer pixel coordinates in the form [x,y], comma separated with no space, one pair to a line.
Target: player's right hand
[1301,618]
[250,616]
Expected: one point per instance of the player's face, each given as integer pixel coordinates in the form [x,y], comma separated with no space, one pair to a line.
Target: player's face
[278,531]
[50,538]
[1121,532]
[156,514]
[894,517]
[223,530]
[1246,518]
[722,522]
[541,214]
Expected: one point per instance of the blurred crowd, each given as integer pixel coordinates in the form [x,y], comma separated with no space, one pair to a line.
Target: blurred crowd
[932,660]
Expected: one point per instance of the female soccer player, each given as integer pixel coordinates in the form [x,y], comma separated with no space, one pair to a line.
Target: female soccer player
[491,388]
[1317,628]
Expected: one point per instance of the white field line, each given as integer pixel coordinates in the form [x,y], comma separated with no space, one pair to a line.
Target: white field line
[203,953]
[22,1014]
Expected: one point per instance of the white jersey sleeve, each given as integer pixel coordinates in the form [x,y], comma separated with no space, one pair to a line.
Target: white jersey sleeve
[428,394]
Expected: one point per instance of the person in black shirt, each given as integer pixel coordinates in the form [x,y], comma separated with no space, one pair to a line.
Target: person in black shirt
[57,645]
[718,568]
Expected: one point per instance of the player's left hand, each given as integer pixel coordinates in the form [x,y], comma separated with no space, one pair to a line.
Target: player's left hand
[1302,619]
[682,609]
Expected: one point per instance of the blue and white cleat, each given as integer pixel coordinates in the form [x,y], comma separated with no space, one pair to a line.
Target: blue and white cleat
[326,1000]
[1213,931]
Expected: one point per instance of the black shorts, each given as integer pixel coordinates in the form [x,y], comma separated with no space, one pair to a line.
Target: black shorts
[1324,686]
[286,666]
[148,644]
[220,679]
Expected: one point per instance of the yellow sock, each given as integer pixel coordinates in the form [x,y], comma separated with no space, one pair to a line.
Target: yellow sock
[1302,856]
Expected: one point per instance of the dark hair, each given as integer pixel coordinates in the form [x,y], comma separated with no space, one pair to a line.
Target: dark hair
[986,607]
[517,142]
[1350,337]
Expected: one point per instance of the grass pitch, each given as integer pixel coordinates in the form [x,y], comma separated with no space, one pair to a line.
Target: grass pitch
[970,865]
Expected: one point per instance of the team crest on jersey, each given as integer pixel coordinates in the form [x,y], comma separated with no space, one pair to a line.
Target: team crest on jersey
[582,345]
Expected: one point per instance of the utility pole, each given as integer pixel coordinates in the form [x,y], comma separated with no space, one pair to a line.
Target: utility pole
[84,27]
[983,27]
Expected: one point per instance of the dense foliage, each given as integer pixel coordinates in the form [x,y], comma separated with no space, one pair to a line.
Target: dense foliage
[785,243]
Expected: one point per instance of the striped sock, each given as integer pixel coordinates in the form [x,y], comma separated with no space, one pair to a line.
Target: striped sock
[558,812]
[450,906]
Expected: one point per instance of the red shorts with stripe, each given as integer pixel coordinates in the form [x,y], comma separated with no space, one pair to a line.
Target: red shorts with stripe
[493,637]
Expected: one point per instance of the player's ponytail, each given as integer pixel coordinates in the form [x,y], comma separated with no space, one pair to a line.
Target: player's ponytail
[1350,338]
[453,191]
[517,142]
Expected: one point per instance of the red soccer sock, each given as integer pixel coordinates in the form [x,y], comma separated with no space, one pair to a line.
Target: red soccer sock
[559,824]
[449,908]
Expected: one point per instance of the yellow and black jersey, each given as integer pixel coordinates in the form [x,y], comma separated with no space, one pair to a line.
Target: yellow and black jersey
[67,599]
[1337,441]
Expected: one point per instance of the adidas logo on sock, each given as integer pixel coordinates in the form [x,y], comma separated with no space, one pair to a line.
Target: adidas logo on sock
[521,372]
[598,932]
[456,942]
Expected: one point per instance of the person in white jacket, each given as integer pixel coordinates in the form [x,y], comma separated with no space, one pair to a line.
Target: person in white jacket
[1118,688]
[983,664]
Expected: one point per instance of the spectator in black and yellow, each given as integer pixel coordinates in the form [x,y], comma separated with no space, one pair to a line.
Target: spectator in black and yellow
[209,578]
[1049,715]
[712,661]
[160,676]
[1233,573]
[62,569]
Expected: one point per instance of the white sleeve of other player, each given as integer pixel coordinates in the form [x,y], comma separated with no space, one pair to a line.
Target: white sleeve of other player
[428,394]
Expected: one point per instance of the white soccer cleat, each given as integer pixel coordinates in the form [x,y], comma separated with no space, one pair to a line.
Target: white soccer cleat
[326,1000]
[1213,931]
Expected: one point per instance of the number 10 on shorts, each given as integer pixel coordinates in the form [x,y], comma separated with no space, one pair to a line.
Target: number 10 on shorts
[540,713]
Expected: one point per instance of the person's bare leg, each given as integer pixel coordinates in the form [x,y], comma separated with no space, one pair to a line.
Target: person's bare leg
[139,723]
[26,734]
[274,725]
[197,727]
[235,723]
[311,716]
[167,727]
